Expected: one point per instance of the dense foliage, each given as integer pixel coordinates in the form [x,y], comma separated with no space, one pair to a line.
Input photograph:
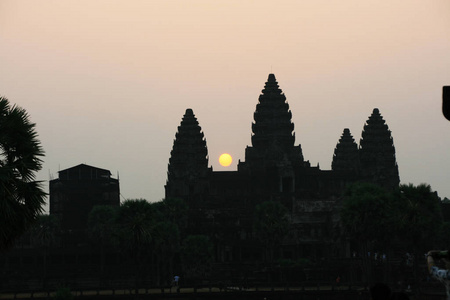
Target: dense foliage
[405,220]
[148,233]
[197,256]
[367,212]
[21,197]
[411,214]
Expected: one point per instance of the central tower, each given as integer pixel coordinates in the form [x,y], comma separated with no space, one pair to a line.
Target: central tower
[272,117]
[273,134]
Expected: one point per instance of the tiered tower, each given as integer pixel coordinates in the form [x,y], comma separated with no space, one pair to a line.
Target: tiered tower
[188,163]
[273,138]
[345,156]
[377,153]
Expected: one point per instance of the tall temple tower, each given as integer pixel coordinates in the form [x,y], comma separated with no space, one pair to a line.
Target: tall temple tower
[271,161]
[273,137]
[377,153]
[188,164]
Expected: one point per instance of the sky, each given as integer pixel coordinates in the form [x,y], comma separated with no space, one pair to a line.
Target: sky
[107,82]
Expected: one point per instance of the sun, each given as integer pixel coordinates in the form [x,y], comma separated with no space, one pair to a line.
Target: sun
[225,159]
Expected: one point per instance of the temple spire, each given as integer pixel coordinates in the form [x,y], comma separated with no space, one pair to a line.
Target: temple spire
[272,130]
[272,117]
[345,156]
[377,152]
[189,157]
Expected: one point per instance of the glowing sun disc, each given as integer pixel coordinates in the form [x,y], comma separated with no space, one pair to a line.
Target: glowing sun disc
[225,159]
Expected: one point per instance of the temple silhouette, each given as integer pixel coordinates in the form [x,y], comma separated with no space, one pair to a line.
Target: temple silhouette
[222,203]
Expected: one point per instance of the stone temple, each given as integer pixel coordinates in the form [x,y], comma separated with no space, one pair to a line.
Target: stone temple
[222,204]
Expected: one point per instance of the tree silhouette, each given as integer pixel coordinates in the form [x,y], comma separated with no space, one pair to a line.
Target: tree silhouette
[444,237]
[166,245]
[21,197]
[101,227]
[419,213]
[136,220]
[175,210]
[410,215]
[366,215]
[44,236]
[197,256]
[171,222]
[419,218]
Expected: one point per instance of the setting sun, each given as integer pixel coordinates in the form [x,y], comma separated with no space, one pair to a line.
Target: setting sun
[225,159]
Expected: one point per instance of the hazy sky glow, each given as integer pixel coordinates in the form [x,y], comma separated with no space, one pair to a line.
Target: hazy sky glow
[107,82]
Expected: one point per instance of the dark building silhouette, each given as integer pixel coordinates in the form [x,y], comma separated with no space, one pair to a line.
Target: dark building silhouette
[222,203]
[76,191]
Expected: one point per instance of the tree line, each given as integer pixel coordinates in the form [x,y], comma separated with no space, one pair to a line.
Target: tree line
[151,235]
[405,220]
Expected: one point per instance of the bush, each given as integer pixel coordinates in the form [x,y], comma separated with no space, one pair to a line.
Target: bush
[63,293]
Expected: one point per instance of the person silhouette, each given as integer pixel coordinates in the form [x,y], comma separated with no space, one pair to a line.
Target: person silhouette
[441,274]
[176,279]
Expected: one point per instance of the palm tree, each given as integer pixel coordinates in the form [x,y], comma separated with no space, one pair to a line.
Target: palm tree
[44,235]
[166,243]
[21,197]
[171,225]
[135,220]
[101,228]
[175,210]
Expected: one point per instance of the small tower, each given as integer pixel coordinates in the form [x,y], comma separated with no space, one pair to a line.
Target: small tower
[377,153]
[345,156]
[188,163]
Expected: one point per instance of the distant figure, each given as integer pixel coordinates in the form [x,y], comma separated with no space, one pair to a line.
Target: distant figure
[338,281]
[443,275]
[380,291]
[399,296]
[176,279]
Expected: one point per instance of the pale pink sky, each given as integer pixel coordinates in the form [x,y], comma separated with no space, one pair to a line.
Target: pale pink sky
[107,82]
